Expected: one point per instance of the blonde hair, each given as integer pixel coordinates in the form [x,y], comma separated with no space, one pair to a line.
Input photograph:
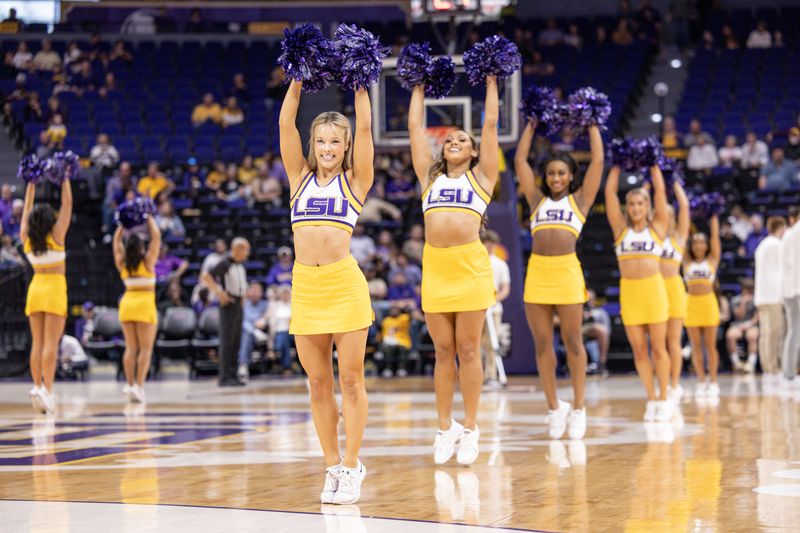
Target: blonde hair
[439,166]
[638,191]
[336,120]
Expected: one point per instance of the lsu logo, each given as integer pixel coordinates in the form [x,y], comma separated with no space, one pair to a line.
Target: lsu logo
[554,215]
[451,196]
[638,247]
[317,206]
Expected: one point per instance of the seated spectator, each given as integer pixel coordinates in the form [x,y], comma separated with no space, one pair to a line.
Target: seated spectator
[696,132]
[792,148]
[247,171]
[56,132]
[168,222]
[760,37]
[730,155]
[207,110]
[537,66]
[551,35]
[117,188]
[402,184]
[411,272]
[707,40]
[54,107]
[22,58]
[755,153]
[378,290]
[120,53]
[254,307]
[779,173]
[9,254]
[169,268]
[33,109]
[278,316]
[671,138]
[239,88]
[232,114]
[415,244]
[46,59]
[362,246]
[600,35]
[230,190]
[596,331]
[730,242]
[281,272]
[12,23]
[73,57]
[154,182]
[401,292]
[217,176]
[648,21]
[386,249]
[622,34]
[777,39]
[744,325]
[84,325]
[12,220]
[266,188]
[104,155]
[84,79]
[741,225]
[573,37]
[172,297]
[193,177]
[729,40]
[6,199]
[395,342]
[203,299]
[276,88]
[755,237]
[219,251]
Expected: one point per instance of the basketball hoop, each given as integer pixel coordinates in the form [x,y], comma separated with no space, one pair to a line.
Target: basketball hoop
[437,134]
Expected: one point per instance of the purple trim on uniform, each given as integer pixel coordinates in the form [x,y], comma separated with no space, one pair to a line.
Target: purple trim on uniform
[303,184]
[329,219]
[474,177]
[358,211]
[326,185]
[349,188]
[452,207]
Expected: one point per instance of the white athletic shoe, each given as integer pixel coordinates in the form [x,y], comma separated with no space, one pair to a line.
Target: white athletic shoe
[713,390]
[243,372]
[137,394]
[349,489]
[576,424]
[701,390]
[36,400]
[446,443]
[675,395]
[577,453]
[650,411]
[126,389]
[664,411]
[750,365]
[468,446]
[557,420]
[48,401]
[331,483]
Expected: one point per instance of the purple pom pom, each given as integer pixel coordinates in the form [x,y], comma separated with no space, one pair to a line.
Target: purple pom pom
[588,107]
[672,172]
[648,151]
[306,57]
[622,154]
[412,65]
[31,168]
[707,205]
[133,213]
[540,104]
[440,77]
[358,56]
[61,166]
[494,56]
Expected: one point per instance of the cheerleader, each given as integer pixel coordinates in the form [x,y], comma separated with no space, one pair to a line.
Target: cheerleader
[137,307]
[639,236]
[457,280]
[330,298]
[554,282]
[702,308]
[43,233]
[670,265]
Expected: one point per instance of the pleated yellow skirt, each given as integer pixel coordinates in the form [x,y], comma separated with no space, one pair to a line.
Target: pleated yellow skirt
[556,280]
[676,294]
[643,301]
[138,306]
[457,278]
[47,293]
[702,310]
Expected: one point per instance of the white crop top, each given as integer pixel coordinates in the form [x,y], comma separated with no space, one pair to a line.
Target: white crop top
[558,214]
[699,273]
[334,204]
[672,253]
[643,244]
[462,194]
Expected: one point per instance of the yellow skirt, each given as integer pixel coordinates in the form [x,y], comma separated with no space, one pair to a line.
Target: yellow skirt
[138,306]
[331,298]
[554,280]
[676,294]
[47,293]
[643,301]
[457,278]
[702,311]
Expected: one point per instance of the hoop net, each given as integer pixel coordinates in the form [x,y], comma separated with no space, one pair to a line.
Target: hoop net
[437,134]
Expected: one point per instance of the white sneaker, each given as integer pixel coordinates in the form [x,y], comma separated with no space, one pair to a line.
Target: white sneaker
[243,373]
[557,420]
[137,394]
[736,363]
[576,424]
[126,389]
[468,446]
[349,489]
[664,411]
[401,373]
[36,400]
[713,390]
[577,453]
[48,401]
[650,411]
[446,443]
[331,483]
[675,395]
[701,390]
[750,365]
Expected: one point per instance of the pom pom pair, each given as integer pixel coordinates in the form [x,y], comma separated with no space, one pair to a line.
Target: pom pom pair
[56,168]
[135,212]
[634,154]
[540,104]
[494,56]
[31,168]
[416,67]
[672,172]
[707,205]
[588,107]
[352,59]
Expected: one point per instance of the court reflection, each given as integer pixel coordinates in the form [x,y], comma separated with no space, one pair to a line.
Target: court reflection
[47,484]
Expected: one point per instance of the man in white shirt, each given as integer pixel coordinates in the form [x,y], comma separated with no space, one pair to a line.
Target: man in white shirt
[790,290]
[760,37]
[702,156]
[768,297]
[502,287]
[755,153]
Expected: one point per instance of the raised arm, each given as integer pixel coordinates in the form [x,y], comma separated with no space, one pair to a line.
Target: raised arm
[715,246]
[151,257]
[64,213]
[27,207]
[613,208]
[587,193]
[490,147]
[523,169]
[421,157]
[363,148]
[660,211]
[118,249]
[683,216]
[291,145]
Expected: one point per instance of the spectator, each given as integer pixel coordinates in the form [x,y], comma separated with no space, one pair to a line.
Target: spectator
[56,132]
[46,59]
[401,292]
[266,188]
[278,316]
[116,189]
[768,298]
[730,243]
[84,325]
[600,35]
[253,308]
[573,37]
[622,35]
[670,138]
[12,220]
[193,177]
[756,235]
[743,326]
[702,157]
[168,222]
[33,108]
[83,80]
[386,249]
[72,57]
[6,199]
[729,40]
[376,209]
[196,23]
[13,24]
[502,287]
[230,190]
[537,66]
[22,57]
[378,290]
[411,272]
[792,148]
[708,40]
[54,108]
[362,246]
[119,56]
[276,88]
[172,297]
[760,37]
[232,114]
[219,251]
[217,176]
[281,272]
[395,341]
[648,21]
[169,268]
[9,255]
[154,182]
[551,35]
[777,39]
[696,132]
[247,171]
[730,155]
[414,245]
[755,153]
[104,155]
[239,88]
[596,332]
[778,174]
[207,110]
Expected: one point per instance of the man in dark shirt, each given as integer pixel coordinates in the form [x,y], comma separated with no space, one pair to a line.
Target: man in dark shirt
[228,280]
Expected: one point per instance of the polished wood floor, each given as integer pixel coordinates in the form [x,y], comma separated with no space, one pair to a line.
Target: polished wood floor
[728,467]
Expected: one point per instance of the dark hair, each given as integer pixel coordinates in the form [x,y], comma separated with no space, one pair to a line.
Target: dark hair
[134,252]
[571,164]
[689,251]
[40,223]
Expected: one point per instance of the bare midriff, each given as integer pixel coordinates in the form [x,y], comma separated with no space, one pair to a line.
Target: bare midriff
[638,268]
[669,269]
[446,229]
[553,242]
[55,269]
[320,245]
